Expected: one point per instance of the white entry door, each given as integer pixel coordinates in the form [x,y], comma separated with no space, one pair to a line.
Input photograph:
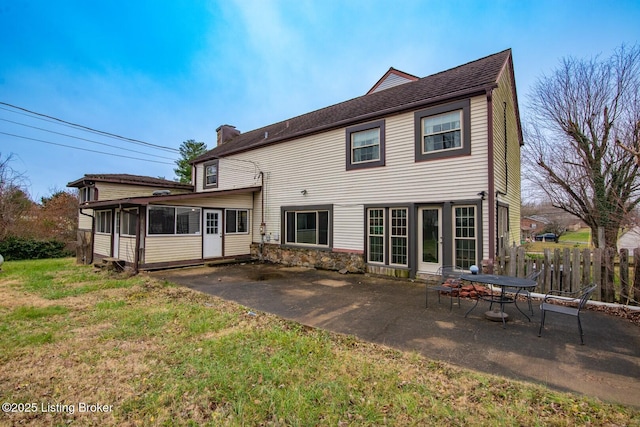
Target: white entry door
[430,239]
[212,239]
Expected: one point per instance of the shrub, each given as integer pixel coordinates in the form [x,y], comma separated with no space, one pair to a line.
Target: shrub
[18,248]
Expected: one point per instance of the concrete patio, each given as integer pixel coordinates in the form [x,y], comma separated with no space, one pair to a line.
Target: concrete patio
[392,312]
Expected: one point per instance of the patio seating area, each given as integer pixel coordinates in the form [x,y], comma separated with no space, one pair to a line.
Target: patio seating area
[392,312]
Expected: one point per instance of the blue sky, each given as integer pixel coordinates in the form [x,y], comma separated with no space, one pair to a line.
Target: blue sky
[164,72]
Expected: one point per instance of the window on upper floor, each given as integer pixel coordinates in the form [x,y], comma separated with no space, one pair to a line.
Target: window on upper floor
[87,194]
[211,174]
[365,145]
[443,131]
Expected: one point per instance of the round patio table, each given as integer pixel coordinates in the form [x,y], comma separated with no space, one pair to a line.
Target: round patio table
[504,282]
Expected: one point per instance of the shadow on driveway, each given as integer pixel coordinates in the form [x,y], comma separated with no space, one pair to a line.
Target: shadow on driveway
[392,312]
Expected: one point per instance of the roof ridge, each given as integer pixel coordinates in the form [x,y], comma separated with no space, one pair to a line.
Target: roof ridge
[460,80]
[469,63]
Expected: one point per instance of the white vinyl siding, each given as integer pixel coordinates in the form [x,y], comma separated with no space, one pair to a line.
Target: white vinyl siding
[84,221]
[127,249]
[287,172]
[237,244]
[111,191]
[507,174]
[231,174]
[102,244]
[173,248]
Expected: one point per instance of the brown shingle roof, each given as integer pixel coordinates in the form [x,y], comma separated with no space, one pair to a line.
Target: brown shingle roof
[460,81]
[124,178]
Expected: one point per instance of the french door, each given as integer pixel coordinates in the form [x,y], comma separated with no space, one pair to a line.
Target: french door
[429,239]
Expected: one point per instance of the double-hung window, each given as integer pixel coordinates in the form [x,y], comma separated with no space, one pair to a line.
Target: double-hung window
[169,220]
[465,236]
[309,226]
[87,194]
[104,222]
[237,221]
[375,237]
[387,237]
[399,236]
[211,174]
[365,145]
[129,222]
[443,131]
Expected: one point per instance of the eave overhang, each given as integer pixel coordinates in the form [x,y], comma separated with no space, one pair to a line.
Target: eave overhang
[131,202]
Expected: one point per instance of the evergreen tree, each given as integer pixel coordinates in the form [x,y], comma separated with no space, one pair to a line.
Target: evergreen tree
[189,150]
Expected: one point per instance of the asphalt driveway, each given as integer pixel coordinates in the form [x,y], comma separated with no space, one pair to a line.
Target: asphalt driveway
[392,312]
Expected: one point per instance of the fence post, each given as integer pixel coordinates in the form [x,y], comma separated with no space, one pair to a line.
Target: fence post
[521,261]
[500,261]
[608,290]
[546,283]
[636,275]
[575,270]
[566,270]
[513,261]
[586,269]
[624,276]
[555,284]
[597,272]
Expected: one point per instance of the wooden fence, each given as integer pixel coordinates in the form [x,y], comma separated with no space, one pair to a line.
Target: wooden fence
[617,277]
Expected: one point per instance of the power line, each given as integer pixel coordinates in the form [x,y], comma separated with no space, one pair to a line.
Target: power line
[112,135]
[84,139]
[85,149]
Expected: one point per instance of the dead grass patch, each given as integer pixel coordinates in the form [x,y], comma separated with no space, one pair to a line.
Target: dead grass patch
[164,355]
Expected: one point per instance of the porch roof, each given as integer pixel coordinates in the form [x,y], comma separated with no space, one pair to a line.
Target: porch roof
[150,200]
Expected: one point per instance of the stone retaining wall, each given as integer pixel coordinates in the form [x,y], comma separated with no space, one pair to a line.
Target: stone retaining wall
[308,257]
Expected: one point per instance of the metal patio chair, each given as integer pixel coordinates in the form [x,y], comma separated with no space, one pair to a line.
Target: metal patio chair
[449,283]
[581,296]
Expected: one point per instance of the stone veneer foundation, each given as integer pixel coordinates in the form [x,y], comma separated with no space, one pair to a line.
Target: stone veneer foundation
[308,257]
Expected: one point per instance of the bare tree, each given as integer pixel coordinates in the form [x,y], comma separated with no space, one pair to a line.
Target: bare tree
[14,201]
[579,142]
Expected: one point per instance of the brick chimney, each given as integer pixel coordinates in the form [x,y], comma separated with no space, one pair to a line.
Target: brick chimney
[226,132]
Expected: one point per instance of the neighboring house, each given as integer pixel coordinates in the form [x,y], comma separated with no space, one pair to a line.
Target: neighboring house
[415,174]
[532,225]
[630,239]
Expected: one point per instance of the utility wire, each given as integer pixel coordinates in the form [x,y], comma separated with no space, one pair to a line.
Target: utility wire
[112,135]
[85,149]
[84,139]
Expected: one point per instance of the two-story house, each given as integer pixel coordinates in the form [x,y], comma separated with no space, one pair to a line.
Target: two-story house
[415,174]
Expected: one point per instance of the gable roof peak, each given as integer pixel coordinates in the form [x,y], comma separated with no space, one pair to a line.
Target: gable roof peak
[393,77]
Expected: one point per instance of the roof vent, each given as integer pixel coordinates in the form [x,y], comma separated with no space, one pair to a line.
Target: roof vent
[161,192]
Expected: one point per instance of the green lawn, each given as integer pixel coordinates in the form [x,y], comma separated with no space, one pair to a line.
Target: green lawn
[157,354]
[571,239]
